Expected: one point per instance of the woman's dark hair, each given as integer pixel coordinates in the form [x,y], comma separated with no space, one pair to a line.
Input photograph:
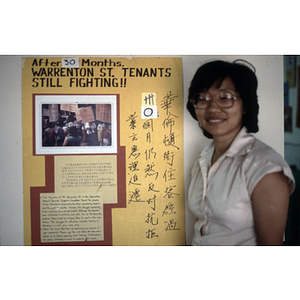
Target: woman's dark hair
[244,80]
[73,131]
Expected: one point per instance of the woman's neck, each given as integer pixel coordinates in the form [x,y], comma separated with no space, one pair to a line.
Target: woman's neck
[222,144]
[218,153]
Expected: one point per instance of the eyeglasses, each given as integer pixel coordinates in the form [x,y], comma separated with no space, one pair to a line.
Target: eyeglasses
[223,99]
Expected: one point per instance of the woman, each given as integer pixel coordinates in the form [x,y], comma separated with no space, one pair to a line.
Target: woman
[73,138]
[240,187]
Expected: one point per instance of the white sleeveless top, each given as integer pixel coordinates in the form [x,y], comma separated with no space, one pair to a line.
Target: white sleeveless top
[220,195]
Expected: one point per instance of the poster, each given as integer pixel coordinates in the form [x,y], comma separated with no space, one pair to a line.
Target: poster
[103,151]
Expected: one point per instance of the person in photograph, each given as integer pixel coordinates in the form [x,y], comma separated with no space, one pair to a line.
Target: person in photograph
[104,134]
[89,130]
[73,138]
[240,187]
[49,135]
[60,135]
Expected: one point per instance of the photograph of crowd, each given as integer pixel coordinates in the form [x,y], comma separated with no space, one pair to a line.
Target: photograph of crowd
[76,125]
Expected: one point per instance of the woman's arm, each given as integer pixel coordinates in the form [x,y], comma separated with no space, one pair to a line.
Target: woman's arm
[65,143]
[270,202]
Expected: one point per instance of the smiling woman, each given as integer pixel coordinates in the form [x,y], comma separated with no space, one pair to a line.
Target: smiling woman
[240,187]
[220,115]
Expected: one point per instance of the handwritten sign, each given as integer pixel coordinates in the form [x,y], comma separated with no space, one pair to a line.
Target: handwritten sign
[103,113]
[85,114]
[70,62]
[152,168]
[72,107]
[140,183]
[149,107]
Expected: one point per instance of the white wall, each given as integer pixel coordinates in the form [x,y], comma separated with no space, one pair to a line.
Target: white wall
[270,77]
[11,180]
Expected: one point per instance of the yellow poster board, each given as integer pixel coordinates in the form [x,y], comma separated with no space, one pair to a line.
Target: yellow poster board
[103,151]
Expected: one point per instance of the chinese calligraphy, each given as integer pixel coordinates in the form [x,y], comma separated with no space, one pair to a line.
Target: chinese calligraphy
[152,170]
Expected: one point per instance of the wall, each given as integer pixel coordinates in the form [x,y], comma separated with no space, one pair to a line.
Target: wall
[292,139]
[11,186]
[269,70]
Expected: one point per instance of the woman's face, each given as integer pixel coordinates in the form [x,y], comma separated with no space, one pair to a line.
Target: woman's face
[221,122]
